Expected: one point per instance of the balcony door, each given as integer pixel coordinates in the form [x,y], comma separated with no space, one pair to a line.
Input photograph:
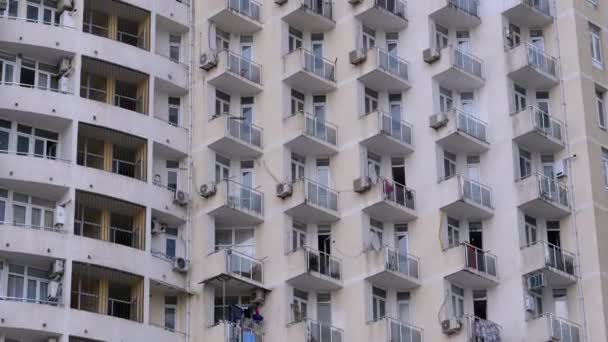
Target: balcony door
[319,111]
[392,48]
[246,46]
[247,113]
[395,112]
[473,174]
[480,304]
[317,53]
[542,118]
[463,41]
[403,306]
[560,303]
[402,245]
[323,178]
[398,173]
[324,243]
[247,175]
[467,103]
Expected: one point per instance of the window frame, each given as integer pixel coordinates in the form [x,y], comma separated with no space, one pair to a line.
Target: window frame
[595,34]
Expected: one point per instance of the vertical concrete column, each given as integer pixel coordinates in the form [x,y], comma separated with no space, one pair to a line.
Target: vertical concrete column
[146,301]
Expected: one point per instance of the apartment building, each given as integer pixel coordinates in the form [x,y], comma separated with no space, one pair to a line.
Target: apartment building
[303,170]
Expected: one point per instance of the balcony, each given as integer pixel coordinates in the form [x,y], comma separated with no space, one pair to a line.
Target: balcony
[557,264]
[309,136]
[310,15]
[471,267]
[459,70]
[456,14]
[541,196]
[549,327]
[462,133]
[529,13]
[312,202]
[385,134]
[239,17]
[466,199]
[235,138]
[310,269]
[390,201]
[391,269]
[233,269]
[475,329]
[537,131]
[235,204]
[382,71]
[391,330]
[531,67]
[308,330]
[231,332]
[236,74]
[383,15]
[309,73]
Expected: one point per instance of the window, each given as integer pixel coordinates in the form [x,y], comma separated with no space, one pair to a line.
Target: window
[371,100]
[27,283]
[297,167]
[221,305]
[222,168]
[441,37]
[520,98]
[530,230]
[449,165]
[376,228]
[298,235]
[5,131]
[605,165]
[369,38]
[222,103]
[445,100]
[324,307]
[172,167]
[170,309]
[403,306]
[299,305]
[32,211]
[596,44]
[373,167]
[11,9]
[297,102]
[601,108]
[240,239]
[378,303]
[457,297]
[453,232]
[171,242]
[174,106]
[537,298]
[175,46]
[7,68]
[525,164]
[3,200]
[295,39]
[513,36]
[222,40]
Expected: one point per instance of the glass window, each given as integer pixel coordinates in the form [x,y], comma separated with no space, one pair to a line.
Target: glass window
[295,39]
[297,102]
[5,130]
[174,109]
[445,100]
[449,164]
[376,228]
[596,44]
[299,305]
[513,36]
[378,303]
[453,232]
[170,309]
[601,108]
[222,40]
[457,295]
[371,100]
[520,98]
[531,231]
[175,44]
[441,36]
[222,103]
[525,164]
[298,235]
[297,166]
[605,165]
[369,38]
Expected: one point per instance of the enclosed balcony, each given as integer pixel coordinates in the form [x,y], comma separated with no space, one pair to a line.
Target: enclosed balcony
[466,199]
[382,15]
[529,13]
[476,329]
[456,14]
[310,269]
[537,131]
[309,15]
[118,21]
[390,201]
[236,74]
[459,70]
[391,269]
[167,309]
[226,331]
[240,17]
[233,269]
[383,71]
[235,204]
[550,327]
[389,329]
[386,134]
[235,137]
[556,264]
[309,73]
[542,196]
[312,202]
[461,132]
[471,267]
[310,136]
[531,67]
[308,330]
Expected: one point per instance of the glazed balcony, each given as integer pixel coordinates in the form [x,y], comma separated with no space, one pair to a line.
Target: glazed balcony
[236,74]
[557,264]
[463,133]
[240,17]
[310,269]
[312,202]
[464,198]
[459,70]
[529,13]
[383,71]
[385,134]
[537,131]
[225,331]
[392,269]
[235,138]
[383,15]
[309,136]
[235,204]
[456,14]
[392,330]
[235,268]
[471,267]
[531,67]
[308,330]
[549,327]
[390,201]
[309,73]
[310,15]
[542,196]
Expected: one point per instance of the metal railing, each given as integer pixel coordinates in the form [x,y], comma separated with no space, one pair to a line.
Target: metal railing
[160,118]
[243,67]
[545,124]
[124,237]
[468,6]
[479,260]
[392,64]
[398,331]
[467,62]
[557,258]
[474,191]
[31,226]
[324,8]
[10,17]
[543,6]
[538,59]
[131,39]
[32,300]
[244,131]
[248,8]
[121,308]
[471,125]
[244,266]
[320,129]
[322,332]
[399,262]
[38,87]
[244,198]
[99,95]
[481,330]
[320,195]
[237,333]
[35,155]
[551,190]
[84,301]
[398,193]
[317,65]
[561,329]
[127,102]
[396,7]
[128,168]
[323,263]
[89,159]
[394,128]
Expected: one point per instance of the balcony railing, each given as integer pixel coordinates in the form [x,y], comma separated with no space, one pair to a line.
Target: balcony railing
[244,266]
[394,128]
[124,237]
[243,67]
[244,198]
[471,125]
[323,263]
[399,262]
[543,6]
[320,129]
[481,330]
[317,65]
[48,155]
[121,308]
[561,329]
[392,64]
[398,193]
[396,7]
[545,124]
[474,191]
[551,190]
[322,332]
[39,87]
[127,102]
[557,258]
[131,39]
[466,62]
[538,59]
[237,333]
[56,302]
[324,8]
[397,331]
[99,95]
[128,168]
[480,260]
[468,6]
[244,131]
[248,8]
[320,195]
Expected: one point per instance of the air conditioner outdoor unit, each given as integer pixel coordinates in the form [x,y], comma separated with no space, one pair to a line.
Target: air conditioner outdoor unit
[157,227]
[560,168]
[535,281]
[438,120]
[3,5]
[284,190]
[54,290]
[362,184]
[59,217]
[530,304]
[208,190]
[431,55]
[181,198]
[258,296]
[65,65]
[357,56]
[280,2]
[451,326]
[208,60]
[180,265]
[65,5]
[57,268]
